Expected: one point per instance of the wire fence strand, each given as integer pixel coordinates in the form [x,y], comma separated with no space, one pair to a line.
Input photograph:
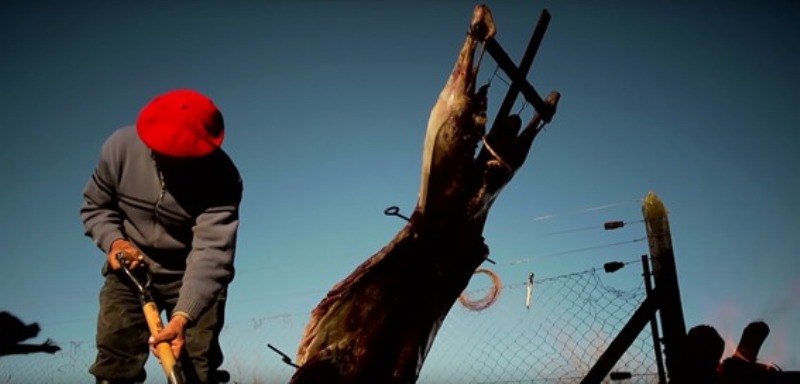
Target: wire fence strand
[571,320]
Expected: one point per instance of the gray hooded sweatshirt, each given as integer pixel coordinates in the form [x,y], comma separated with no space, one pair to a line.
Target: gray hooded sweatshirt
[182,214]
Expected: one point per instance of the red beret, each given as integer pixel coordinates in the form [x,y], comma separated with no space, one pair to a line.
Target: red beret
[181,123]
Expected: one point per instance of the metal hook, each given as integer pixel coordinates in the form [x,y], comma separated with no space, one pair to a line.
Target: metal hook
[395,211]
[286,359]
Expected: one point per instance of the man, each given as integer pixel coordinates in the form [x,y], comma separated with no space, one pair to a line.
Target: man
[166,196]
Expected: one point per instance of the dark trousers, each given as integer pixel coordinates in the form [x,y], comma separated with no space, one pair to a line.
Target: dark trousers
[122,332]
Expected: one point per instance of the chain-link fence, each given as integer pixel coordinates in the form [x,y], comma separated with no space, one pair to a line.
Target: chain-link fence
[569,322]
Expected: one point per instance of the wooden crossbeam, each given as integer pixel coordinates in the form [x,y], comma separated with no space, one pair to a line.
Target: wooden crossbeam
[517,75]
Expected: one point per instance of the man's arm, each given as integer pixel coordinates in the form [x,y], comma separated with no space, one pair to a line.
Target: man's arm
[99,211]
[209,270]
[23,349]
[209,267]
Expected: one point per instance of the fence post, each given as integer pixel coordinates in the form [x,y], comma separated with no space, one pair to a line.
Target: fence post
[648,286]
[665,277]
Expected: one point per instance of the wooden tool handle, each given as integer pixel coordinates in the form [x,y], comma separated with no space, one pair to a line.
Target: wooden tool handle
[168,361]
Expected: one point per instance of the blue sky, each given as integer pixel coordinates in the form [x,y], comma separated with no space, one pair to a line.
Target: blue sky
[326,107]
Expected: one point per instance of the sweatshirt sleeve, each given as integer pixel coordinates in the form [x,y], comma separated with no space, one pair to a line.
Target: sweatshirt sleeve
[100,212]
[209,267]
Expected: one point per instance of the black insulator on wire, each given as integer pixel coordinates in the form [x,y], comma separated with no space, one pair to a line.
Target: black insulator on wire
[617,376]
[613,266]
[284,357]
[609,225]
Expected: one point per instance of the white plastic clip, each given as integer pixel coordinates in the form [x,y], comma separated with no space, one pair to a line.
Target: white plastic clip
[529,291]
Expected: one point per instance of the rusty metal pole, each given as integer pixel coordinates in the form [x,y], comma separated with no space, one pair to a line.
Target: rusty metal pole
[625,338]
[665,277]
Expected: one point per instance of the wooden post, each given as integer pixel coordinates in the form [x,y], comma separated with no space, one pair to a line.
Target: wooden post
[666,282]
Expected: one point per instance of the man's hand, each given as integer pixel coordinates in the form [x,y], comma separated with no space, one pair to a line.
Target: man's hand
[133,258]
[49,346]
[172,334]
